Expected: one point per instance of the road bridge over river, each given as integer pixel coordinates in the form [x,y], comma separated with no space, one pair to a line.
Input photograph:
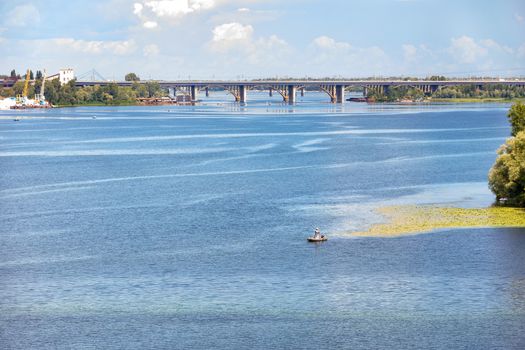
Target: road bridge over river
[288,89]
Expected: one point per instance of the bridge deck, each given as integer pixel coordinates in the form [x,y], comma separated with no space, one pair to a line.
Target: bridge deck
[309,83]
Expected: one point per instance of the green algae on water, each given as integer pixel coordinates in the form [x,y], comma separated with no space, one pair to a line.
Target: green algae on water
[411,219]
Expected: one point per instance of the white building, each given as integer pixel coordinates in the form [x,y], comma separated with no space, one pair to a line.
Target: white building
[65,75]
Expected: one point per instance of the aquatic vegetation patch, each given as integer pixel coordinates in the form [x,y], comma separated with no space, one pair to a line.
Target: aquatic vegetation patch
[411,219]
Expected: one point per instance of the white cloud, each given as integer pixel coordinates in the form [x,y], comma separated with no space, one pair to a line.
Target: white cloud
[23,15]
[268,50]
[153,12]
[232,31]
[491,44]
[236,43]
[518,17]
[521,51]
[176,8]
[327,53]
[409,52]
[465,50]
[150,24]
[231,36]
[326,42]
[243,9]
[137,9]
[116,47]
[150,50]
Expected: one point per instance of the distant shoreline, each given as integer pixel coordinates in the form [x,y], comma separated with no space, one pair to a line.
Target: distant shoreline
[425,102]
[432,101]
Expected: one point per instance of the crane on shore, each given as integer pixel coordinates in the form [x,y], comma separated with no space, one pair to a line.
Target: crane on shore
[23,102]
[22,98]
[41,98]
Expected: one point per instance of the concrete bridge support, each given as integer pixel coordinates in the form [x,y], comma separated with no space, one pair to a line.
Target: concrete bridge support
[194,92]
[243,92]
[330,91]
[339,93]
[379,89]
[292,90]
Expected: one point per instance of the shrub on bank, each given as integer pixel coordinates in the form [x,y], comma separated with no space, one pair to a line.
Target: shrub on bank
[507,175]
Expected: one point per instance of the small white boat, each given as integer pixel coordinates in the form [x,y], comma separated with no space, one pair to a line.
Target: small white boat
[317,237]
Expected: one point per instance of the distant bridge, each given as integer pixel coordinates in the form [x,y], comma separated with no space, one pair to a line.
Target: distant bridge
[288,89]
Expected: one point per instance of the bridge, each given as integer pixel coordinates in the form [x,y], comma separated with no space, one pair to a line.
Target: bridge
[288,89]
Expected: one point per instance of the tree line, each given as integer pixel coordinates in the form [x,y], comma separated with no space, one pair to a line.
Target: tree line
[69,94]
[507,175]
[398,93]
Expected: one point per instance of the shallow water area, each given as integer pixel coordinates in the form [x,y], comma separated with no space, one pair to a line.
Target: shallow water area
[185,227]
[411,219]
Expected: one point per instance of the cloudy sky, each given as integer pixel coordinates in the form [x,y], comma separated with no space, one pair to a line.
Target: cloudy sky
[181,39]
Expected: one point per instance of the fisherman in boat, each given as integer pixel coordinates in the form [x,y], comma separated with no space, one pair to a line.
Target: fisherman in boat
[317,237]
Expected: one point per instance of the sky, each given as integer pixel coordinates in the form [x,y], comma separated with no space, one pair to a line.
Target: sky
[247,39]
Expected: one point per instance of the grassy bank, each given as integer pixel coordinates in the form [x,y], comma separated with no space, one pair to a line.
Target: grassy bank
[406,220]
[98,104]
[476,100]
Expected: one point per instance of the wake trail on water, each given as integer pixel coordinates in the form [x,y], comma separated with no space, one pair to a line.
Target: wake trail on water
[134,152]
[75,185]
[150,177]
[269,134]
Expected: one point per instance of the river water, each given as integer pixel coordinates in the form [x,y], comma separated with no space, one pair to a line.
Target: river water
[184,228]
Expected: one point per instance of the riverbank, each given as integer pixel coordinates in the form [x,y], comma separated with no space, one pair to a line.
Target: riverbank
[411,219]
[476,100]
[97,104]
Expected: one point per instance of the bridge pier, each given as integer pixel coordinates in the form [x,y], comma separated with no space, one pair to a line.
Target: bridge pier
[194,92]
[339,93]
[242,93]
[292,90]
[207,92]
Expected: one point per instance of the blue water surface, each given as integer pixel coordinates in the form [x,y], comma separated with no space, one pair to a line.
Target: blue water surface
[184,228]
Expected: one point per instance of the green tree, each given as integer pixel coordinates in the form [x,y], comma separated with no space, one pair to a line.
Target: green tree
[13,74]
[507,175]
[112,89]
[131,77]
[140,89]
[18,87]
[39,74]
[31,75]
[6,92]
[516,117]
[153,89]
[51,91]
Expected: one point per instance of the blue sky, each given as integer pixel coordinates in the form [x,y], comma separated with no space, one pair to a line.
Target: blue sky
[171,39]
